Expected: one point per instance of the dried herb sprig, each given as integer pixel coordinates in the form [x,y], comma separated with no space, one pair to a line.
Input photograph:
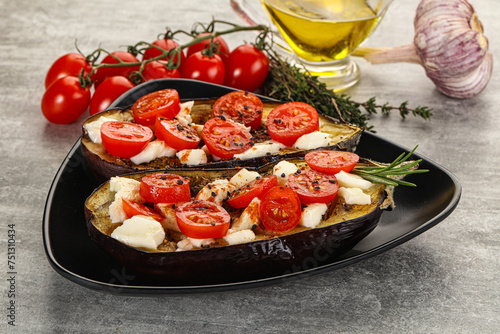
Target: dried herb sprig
[381,174]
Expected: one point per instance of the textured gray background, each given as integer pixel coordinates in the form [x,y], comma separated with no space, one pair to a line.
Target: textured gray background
[443,281]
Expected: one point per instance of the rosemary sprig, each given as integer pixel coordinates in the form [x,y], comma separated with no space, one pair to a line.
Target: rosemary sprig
[381,174]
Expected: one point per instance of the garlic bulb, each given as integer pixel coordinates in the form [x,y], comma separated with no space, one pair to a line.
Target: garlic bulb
[449,44]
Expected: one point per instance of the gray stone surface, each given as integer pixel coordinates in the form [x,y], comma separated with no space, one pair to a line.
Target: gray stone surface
[444,281]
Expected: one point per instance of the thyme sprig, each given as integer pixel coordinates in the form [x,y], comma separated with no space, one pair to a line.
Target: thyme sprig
[381,174]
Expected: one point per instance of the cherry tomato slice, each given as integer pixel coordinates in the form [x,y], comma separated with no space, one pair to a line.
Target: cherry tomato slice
[202,219]
[332,162]
[70,64]
[257,188]
[178,136]
[165,188]
[162,103]
[133,208]
[280,209]
[225,138]
[287,122]
[314,187]
[240,106]
[125,139]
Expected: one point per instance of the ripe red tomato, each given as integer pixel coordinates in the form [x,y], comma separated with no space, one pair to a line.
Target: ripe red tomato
[223,48]
[106,72]
[156,70]
[133,208]
[178,136]
[161,103]
[70,64]
[65,100]
[202,219]
[203,68]
[125,139]
[280,209]
[314,187]
[246,68]
[288,121]
[240,106]
[225,138]
[165,188]
[332,162]
[165,44]
[257,188]
[107,92]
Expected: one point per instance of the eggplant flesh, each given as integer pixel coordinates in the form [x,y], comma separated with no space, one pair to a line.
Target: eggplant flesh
[270,255]
[104,165]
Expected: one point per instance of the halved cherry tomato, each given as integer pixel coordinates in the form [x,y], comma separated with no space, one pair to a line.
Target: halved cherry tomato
[332,162]
[165,188]
[158,70]
[106,72]
[246,68]
[161,103]
[204,68]
[240,106]
[176,135]
[314,187]
[70,64]
[165,44]
[280,209]
[107,92]
[257,188]
[288,121]
[133,208]
[202,219]
[125,139]
[219,43]
[225,138]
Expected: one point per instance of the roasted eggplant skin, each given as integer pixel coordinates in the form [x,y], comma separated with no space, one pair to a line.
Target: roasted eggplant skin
[250,261]
[104,166]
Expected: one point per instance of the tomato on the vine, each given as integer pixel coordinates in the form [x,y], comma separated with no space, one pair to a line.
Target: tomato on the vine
[105,72]
[246,68]
[204,68]
[65,100]
[70,64]
[165,44]
[158,70]
[219,42]
[107,92]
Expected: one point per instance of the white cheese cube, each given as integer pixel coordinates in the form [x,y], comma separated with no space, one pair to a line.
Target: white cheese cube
[244,176]
[216,191]
[192,157]
[282,170]
[169,221]
[349,180]
[191,243]
[140,231]
[313,140]
[94,128]
[313,214]
[154,149]
[354,196]
[239,237]
[124,188]
[260,149]
[249,217]
[184,115]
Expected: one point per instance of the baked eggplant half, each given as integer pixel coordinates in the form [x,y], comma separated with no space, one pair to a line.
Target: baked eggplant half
[334,135]
[178,260]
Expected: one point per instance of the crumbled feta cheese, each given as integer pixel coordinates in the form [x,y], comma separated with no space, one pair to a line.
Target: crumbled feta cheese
[216,191]
[191,243]
[94,128]
[239,237]
[282,170]
[354,196]
[140,231]
[154,149]
[313,214]
[192,157]
[260,149]
[249,218]
[349,180]
[123,188]
[167,211]
[184,115]
[313,140]
[243,177]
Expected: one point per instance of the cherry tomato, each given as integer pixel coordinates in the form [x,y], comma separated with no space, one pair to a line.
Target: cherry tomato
[157,70]
[204,68]
[70,64]
[223,48]
[280,209]
[246,68]
[165,44]
[202,219]
[240,106]
[332,162]
[125,139]
[133,208]
[165,188]
[178,136]
[106,72]
[313,187]
[257,188]
[65,100]
[161,103]
[225,138]
[107,92]
[288,121]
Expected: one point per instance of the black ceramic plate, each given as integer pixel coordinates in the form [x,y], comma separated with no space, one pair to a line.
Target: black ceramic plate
[73,255]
